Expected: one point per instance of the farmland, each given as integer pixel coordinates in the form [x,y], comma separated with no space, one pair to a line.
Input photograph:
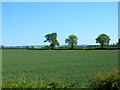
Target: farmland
[67,65]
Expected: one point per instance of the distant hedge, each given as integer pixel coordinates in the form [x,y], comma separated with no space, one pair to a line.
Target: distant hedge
[63,48]
[83,48]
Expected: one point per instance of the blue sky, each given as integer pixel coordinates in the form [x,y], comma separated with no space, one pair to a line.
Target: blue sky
[0,23]
[26,23]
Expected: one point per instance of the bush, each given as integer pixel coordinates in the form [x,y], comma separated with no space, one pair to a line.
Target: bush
[109,80]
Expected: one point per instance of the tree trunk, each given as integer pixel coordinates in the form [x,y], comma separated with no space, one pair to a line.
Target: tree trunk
[52,47]
[72,46]
[102,45]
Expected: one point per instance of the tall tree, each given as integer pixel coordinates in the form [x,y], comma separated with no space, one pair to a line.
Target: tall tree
[71,40]
[103,39]
[119,41]
[52,39]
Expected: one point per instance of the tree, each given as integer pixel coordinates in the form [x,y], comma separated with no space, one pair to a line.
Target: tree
[52,39]
[103,39]
[119,42]
[71,40]
[2,47]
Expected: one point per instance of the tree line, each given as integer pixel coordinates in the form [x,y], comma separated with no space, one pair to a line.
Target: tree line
[72,40]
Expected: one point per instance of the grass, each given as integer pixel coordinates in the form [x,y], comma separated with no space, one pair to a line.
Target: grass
[70,66]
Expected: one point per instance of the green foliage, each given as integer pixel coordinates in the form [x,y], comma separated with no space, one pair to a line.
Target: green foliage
[23,82]
[52,39]
[1,47]
[71,40]
[54,83]
[103,39]
[108,80]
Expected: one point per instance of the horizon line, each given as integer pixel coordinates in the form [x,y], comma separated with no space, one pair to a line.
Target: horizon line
[48,45]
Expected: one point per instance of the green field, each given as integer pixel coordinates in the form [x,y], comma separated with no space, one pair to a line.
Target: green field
[67,65]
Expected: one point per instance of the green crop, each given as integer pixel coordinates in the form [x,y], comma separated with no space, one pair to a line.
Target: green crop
[70,66]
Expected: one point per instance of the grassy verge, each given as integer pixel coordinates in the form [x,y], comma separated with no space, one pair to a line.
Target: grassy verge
[107,80]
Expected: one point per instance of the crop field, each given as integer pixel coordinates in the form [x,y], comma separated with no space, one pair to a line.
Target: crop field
[67,65]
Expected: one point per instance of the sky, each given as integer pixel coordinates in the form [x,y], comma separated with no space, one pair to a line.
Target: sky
[26,23]
[60,0]
[0,23]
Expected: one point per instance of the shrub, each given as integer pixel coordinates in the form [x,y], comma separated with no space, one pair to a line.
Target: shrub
[109,80]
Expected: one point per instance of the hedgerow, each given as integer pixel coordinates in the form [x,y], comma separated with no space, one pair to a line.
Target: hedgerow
[108,80]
